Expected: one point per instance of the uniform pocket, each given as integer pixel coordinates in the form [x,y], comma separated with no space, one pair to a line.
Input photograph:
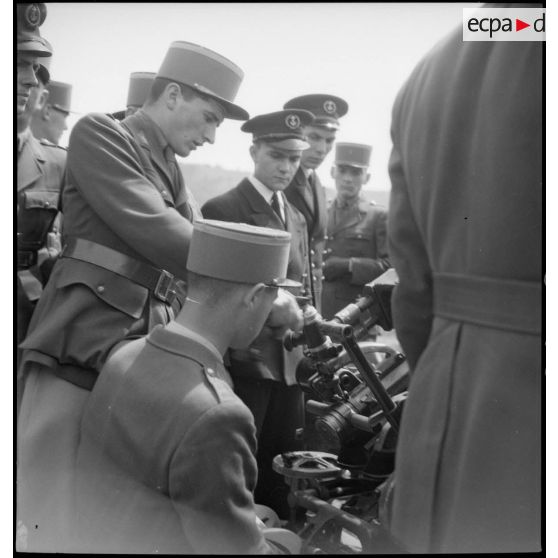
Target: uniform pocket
[117,291]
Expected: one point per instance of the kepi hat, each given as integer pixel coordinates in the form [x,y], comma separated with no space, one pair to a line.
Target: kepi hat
[240,253]
[283,128]
[327,109]
[352,154]
[139,88]
[205,71]
[60,96]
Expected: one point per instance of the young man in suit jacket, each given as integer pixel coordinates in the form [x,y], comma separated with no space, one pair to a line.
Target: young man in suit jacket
[264,374]
[305,191]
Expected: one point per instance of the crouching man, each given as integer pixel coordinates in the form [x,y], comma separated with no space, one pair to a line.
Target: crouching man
[166,458]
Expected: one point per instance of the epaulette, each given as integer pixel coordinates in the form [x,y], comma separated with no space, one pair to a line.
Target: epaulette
[48,143]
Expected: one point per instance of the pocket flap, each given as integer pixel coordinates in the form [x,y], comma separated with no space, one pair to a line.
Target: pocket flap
[117,291]
[41,199]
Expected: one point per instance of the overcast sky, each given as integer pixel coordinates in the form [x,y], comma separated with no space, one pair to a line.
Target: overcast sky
[361,52]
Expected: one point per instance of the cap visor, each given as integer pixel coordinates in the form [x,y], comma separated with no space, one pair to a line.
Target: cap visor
[232,111]
[292,144]
[285,283]
[34,47]
[351,164]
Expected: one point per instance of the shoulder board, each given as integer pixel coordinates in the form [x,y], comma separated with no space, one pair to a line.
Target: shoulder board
[48,143]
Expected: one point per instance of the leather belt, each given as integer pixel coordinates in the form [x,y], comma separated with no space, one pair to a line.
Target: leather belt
[161,283]
[497,303]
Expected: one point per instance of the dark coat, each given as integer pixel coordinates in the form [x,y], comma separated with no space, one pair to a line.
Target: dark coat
[359,232]
[243,204]
[299,192]
[166,459]
[119,193]
[466,210]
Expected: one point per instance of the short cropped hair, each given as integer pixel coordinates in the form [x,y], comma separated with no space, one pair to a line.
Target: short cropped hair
[159,85]
[211,291]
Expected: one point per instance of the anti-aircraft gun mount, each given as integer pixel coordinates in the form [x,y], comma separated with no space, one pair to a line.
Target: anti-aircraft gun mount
[356,391]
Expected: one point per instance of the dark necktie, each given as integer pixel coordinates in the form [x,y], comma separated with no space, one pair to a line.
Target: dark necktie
[276,206]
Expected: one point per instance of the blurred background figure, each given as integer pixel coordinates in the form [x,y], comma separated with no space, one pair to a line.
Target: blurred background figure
[305,191]
[138,91]
[356,241]
[40,170]
[465,236]
[48,121]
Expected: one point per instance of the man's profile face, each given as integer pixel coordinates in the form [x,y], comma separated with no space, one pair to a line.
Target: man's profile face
[27,67]
[194,123]
[321,141]
[274,166]
[349,181]
[56,124]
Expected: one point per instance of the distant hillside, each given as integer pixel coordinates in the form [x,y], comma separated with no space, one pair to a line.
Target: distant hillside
[208,181]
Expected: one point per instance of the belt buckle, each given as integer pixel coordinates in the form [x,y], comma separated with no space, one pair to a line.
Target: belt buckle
[163,286]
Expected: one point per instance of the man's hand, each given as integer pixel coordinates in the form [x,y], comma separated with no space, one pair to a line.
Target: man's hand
[335,267]
[285,314]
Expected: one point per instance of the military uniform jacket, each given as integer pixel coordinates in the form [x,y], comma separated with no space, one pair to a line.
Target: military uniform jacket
[266,357]
[310,200]
[166,456]
[118,193]
[40,174]
[359,232]
[465,231]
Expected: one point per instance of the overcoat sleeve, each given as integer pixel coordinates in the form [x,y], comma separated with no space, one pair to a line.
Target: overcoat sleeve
[211,481]
[412,297]
[104,166]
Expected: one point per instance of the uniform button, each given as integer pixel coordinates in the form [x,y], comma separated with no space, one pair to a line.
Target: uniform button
[47,204]
[211,372]
[100,289]
[313,265]
[312,252]
[304,275]
[326,237]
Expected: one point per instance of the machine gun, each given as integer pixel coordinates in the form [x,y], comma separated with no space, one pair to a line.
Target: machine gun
[356,392]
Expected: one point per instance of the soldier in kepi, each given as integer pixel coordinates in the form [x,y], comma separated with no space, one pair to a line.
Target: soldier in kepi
[188,488]
[306,192]
[40,170]
[356,242]
[138,91]
[127,228]
[49,121]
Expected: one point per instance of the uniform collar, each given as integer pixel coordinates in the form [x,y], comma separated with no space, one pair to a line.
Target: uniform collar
[263,190]
[355,202]
[22,138]
[307,172]
[156,132]
[175,338]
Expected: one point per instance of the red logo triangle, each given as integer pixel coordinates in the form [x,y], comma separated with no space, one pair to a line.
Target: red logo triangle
[519,25]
